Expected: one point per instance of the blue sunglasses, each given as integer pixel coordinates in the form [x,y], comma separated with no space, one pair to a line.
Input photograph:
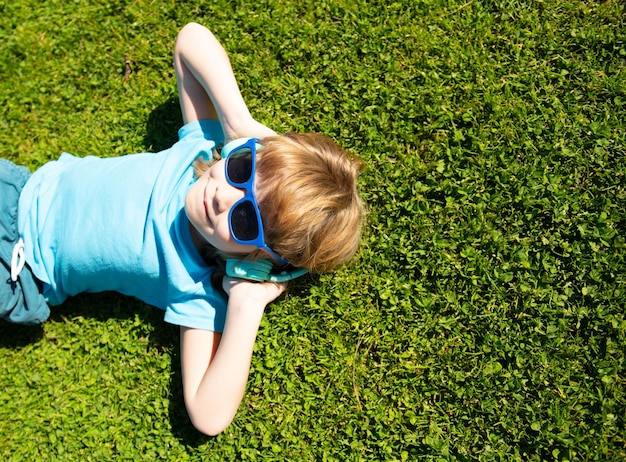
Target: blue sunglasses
[244,218]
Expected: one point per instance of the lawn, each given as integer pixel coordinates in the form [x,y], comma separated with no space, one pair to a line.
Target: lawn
[484,316]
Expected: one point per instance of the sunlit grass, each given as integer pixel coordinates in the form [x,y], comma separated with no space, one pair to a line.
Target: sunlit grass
[484,316]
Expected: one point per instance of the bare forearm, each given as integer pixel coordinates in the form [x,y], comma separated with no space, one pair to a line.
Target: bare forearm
[205,58]
[213,398]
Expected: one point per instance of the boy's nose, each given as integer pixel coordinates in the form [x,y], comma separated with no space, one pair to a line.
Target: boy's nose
[227,195]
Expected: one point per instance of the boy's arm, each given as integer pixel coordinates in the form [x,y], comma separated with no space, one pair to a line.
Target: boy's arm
[215,367]
[207,87]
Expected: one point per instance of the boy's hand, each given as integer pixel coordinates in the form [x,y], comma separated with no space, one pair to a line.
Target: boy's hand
[251,128]
[241,291]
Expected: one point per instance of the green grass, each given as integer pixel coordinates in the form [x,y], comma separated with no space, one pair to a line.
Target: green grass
[484,318]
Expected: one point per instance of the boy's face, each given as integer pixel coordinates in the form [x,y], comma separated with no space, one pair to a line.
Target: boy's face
[207,204]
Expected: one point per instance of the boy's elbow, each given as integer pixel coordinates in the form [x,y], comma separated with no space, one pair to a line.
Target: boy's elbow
[191,26]
[193,31]
[210,429]
[211,426]
[209,414]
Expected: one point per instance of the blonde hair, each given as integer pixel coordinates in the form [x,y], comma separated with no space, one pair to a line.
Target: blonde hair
[307,194]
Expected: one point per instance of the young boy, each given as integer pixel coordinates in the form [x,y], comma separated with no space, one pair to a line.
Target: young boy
[158,226]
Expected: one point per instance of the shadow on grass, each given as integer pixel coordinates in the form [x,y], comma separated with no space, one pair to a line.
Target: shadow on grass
[162,126]
[109,305]
[16,336]
[163,336]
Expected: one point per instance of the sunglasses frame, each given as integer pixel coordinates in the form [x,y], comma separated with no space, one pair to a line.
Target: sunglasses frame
[230,151]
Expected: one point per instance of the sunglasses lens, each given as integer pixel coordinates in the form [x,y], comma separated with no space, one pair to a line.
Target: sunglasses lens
[243,221]
[239,166]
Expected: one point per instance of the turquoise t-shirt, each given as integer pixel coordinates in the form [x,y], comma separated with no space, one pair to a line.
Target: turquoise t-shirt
[118,224]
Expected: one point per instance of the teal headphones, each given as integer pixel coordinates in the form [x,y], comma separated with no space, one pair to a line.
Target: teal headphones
[259,270]
[237,143]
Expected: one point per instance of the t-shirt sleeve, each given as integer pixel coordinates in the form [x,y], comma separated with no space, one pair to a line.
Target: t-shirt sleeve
[207,129]
[198,313]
